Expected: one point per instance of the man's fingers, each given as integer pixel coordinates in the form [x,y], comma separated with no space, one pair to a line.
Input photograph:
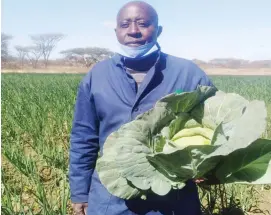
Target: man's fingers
[80,208]
[199,180]
[81,212]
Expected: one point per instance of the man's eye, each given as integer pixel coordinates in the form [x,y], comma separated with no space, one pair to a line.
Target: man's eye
[143,24]
[124,25]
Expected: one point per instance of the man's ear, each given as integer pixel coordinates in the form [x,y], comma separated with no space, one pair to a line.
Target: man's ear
[159,31]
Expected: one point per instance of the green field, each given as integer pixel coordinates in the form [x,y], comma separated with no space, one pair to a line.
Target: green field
[37,111]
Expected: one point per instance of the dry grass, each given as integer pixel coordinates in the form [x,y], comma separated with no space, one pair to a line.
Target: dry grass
[78,70]
[245,71]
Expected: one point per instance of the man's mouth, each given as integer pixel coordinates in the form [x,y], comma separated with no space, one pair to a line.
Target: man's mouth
[135,43]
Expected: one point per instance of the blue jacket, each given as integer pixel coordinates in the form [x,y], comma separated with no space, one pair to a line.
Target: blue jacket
[107,98]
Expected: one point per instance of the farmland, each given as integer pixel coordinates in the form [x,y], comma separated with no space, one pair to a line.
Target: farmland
[37,111]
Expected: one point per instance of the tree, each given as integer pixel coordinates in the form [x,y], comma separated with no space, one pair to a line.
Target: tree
[74,56]
[22,53]
[46,43]
[95,54]
[34,53]
[5,38]
[86,56]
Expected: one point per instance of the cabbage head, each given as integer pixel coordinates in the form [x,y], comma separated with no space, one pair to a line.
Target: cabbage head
[205,134]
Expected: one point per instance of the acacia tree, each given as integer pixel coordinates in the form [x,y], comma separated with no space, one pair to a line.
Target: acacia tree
[86,56]
[46,43]
[95,54]
[22,53]
[5,38]
[74,56]
[34,53]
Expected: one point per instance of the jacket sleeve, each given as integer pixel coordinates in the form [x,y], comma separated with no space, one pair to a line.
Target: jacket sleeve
[84,143]
[204,80]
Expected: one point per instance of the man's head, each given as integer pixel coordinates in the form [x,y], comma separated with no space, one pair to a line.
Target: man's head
[137,24]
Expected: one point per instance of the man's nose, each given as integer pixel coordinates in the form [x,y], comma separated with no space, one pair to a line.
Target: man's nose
[134,30]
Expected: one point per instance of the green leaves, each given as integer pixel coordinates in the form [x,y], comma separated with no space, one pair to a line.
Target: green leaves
[142,157]
[248,164]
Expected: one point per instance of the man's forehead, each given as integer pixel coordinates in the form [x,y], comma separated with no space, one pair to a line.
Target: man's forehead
[134,13]
[137,10]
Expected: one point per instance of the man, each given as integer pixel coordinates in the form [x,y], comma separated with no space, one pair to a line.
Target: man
[109,96]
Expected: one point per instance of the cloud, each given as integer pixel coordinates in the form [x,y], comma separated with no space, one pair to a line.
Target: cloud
[109,24]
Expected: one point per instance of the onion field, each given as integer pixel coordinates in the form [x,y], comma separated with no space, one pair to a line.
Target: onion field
[37,111]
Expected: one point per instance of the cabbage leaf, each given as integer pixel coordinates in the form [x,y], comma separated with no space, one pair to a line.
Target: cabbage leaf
[205,133]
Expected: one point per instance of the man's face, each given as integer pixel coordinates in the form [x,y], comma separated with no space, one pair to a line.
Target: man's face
[136,26]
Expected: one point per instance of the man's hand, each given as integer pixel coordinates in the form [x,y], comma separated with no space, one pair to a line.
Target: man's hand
[198,181]
[80,208]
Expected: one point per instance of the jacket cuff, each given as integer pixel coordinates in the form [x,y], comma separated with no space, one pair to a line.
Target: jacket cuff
[79,199]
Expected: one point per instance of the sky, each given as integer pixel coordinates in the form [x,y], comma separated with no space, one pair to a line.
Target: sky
[191,29]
